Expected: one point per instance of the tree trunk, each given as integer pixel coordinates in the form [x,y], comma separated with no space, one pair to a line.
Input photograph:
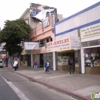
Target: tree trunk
[11,61]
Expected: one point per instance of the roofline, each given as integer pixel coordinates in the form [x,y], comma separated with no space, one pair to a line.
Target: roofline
[24,13]
[80,12]
[79,27]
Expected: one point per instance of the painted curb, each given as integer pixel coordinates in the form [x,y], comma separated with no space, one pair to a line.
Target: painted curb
[57,88]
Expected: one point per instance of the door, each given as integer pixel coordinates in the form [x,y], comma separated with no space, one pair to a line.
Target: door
[41,60]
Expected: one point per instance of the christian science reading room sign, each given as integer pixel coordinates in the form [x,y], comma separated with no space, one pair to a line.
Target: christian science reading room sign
[90,31]
[64,44]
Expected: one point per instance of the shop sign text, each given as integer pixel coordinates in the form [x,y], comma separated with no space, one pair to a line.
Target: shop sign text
[58,42]
[90,31]
[75,44]
[59,45]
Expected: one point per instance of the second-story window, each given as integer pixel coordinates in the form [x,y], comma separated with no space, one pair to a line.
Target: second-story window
[42,44]
[49,39]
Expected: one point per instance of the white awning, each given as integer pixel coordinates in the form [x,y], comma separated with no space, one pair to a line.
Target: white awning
[31,45]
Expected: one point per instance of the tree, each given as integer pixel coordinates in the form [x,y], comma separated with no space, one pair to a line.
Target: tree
[12,34]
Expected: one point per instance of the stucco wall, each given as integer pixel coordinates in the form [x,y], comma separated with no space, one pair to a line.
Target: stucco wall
[44,35]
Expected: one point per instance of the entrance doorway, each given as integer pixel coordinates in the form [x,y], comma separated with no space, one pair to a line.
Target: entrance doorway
[41,60]
[71,54]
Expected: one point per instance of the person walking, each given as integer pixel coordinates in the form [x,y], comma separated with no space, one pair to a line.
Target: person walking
[15,64]
[47,65]
[35,65]
[70,65]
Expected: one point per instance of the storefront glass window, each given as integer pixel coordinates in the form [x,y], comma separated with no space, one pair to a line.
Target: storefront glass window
[63,58]
[92,57]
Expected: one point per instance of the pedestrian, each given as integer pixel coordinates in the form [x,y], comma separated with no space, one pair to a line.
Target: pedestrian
[35,65]
[70,65]
[15,64]
[47,66]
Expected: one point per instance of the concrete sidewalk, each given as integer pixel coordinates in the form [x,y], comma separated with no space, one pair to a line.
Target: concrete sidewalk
[78,85]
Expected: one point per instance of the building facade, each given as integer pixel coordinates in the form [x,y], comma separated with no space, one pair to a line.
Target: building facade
[42,38]
[41,19]
[25,59]
[84,25]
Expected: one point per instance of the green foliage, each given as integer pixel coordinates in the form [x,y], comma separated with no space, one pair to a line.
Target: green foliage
[13,33]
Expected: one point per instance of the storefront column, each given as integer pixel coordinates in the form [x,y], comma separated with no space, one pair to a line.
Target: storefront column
[54,61]
[82,61]
[31,59]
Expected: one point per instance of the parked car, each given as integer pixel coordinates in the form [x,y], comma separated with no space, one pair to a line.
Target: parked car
[1,63]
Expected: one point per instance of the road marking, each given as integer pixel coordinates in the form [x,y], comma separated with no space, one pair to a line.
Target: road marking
[20,94]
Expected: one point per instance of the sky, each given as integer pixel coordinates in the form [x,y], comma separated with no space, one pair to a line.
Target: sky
[13,9]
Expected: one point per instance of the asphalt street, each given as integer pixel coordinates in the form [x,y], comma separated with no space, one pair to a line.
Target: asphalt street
[16,87]
[6,92]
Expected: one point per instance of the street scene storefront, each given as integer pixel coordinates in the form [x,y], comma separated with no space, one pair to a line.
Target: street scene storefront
[25,58]
[42,57]
[91,48]
[64,48]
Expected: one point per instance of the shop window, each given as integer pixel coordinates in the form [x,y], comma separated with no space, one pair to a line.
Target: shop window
[92,57]
[63,57]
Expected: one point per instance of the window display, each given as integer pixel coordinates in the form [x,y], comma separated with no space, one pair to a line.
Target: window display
[63,57]
[92,57]
[62,60]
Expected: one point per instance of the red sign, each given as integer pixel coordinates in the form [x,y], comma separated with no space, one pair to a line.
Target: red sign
[59,45]
[58,42]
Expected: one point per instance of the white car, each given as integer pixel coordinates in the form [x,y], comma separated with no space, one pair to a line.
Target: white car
[1,63]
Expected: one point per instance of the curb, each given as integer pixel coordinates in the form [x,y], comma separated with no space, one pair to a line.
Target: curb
[75,95]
